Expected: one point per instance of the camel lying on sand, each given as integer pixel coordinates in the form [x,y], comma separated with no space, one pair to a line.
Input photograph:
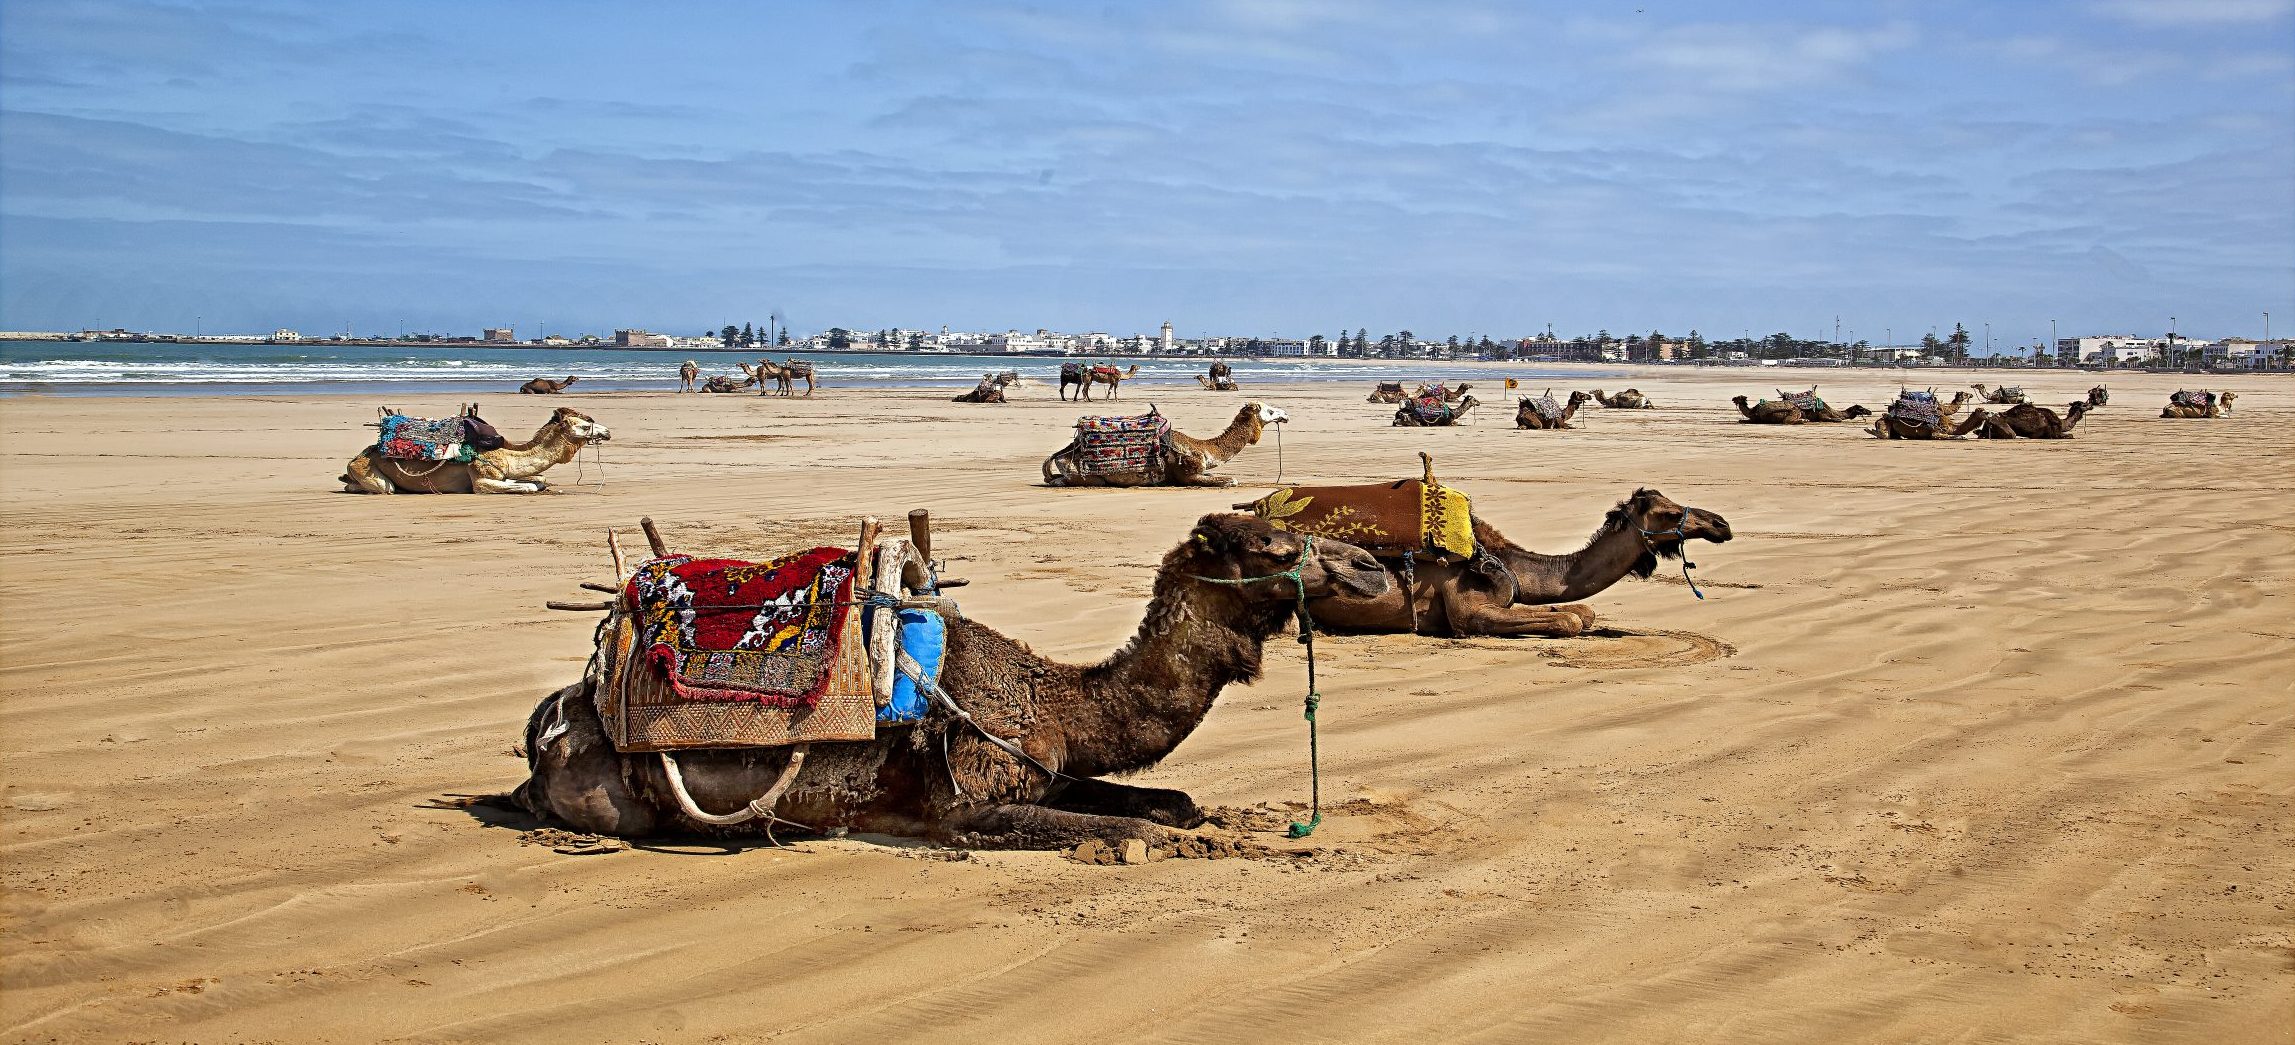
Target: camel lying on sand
[1084,377]
[542,386]
[722,383]
[940,779]
[1527,414]
[2002,396]
[1220,379]
[2216,405]
[1185,460]
[990,389]
[1534,594]
[1784,412]
[1448,394]
[1388,392]
[2025,421]
[1409,415]
[514,468]
[1630,399]
[1888,427]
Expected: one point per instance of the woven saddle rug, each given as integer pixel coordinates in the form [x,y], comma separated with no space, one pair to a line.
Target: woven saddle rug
[1809,402]
[1545,405]
[406,438]
[723,630]
[1107,373]
[1389,519]
[1919,408]
[1113,445]
[2202,400]
[1429,409]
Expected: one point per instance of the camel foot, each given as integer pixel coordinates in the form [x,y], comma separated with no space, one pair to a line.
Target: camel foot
[1038,827]
[1107,798]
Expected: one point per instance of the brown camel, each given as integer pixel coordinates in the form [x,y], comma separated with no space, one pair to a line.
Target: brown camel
[1630,399]
[1184,461]
[940,779]
[688,372]
[1528,415]
[542,386]
[515,468]
[1887,426]
[784,376]
[1220,379]
[722,383]
[2098,396]
[2002,396]
[990,389]
[2025,421]
[1534,595]
[1433,413]
[1769,412]
[1388,392]
[1449,394]
[2212,405]
[1084,377]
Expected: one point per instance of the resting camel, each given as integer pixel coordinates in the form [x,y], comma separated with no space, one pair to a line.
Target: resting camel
[1185,460]
[722,383]
[512,469]
[1526,413]
[542,386]
[1220,379]
[940,779]
[1886,426]
[2002,396]
[687,373]
[1449,394]
[1783,412]
[2218,405]
[1388,392]
[990,389]
[1407,416]
[2025,421]
[1086,376]
[1630,399]
[1461,598]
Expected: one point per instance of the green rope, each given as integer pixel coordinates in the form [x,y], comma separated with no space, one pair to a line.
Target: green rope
[1314,698]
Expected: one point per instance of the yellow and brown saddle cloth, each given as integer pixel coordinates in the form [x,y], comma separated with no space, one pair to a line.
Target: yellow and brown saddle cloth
[1418,516]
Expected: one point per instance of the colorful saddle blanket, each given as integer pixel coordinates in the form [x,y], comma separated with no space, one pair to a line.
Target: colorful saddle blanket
[2008,394]
[722,630]
[1919,408]
[406,438]
[1107,373]
[1808,402]
[1429,409]
[2201,400]
[1110,445]
[1545,406]
[1382,518]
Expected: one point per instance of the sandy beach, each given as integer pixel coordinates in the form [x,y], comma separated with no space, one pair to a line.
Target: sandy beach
[1969,741]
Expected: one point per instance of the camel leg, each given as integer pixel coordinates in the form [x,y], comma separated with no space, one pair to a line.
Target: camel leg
[360,477]
[1036,827]
[481,484]
[1108,798]
[1472,613]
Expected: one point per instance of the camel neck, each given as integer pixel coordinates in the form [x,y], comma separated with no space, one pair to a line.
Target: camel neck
[1144,700]
[1581,574]
[1223,447]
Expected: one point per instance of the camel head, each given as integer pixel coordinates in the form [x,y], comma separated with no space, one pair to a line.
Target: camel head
[580,427]
[1741,402]
[1259,416]
[570,379]
[1664,526]
[1856,412]
[1462,387]
[2075,410]
[1231,547]
[2099,396]
[1957,399]
[1578,397]
[2223,402]
[1466,403]
[1009,377]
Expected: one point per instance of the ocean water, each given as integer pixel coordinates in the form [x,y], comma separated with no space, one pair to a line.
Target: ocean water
[141,368]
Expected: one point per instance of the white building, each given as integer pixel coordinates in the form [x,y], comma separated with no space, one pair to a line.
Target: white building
[1165,338]
[1013,342]
[285,335]
[2108,348]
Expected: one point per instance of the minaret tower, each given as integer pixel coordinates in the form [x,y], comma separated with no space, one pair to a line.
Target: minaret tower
[1167,337]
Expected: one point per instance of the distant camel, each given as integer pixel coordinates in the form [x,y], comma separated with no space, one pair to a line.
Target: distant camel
[784,376]
[990,389]
[2025,421]
[1529,413]
[542,386]
[1630,399]
[2199,404]
[687,373]
[1086,376]
[1220,379]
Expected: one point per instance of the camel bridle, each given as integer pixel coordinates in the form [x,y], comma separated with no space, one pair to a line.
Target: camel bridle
[1680,537]
[1297,576]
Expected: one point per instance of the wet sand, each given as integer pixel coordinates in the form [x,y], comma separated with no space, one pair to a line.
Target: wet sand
[1969,741]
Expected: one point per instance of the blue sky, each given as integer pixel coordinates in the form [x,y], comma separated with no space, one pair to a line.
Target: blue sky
[1253,166]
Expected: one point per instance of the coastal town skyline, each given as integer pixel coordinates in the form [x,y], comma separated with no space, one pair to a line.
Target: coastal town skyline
[1256,166]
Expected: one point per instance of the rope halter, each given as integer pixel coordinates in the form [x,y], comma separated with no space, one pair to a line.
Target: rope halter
[1314,697]
[1682,538]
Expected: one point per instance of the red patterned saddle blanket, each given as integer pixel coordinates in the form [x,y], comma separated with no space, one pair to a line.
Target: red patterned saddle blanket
[723,630]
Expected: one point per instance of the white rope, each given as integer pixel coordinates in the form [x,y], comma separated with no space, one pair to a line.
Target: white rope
[761,806]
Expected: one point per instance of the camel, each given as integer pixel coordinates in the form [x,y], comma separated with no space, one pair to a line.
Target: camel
[512,469]
[1786,412]
[1218,597]
[1888,426]
[687,373]
[990,389]
[1185,460]
[1388,392]
[784,376]
[1630,399]
[2213,405]
[2002,396]
[542,386]
[1220,379]
[1468,598]
[1527,415]
[722,383]
[2098,396]
[1448,394]
[1409,415]
[2025,421]
[1086,376]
